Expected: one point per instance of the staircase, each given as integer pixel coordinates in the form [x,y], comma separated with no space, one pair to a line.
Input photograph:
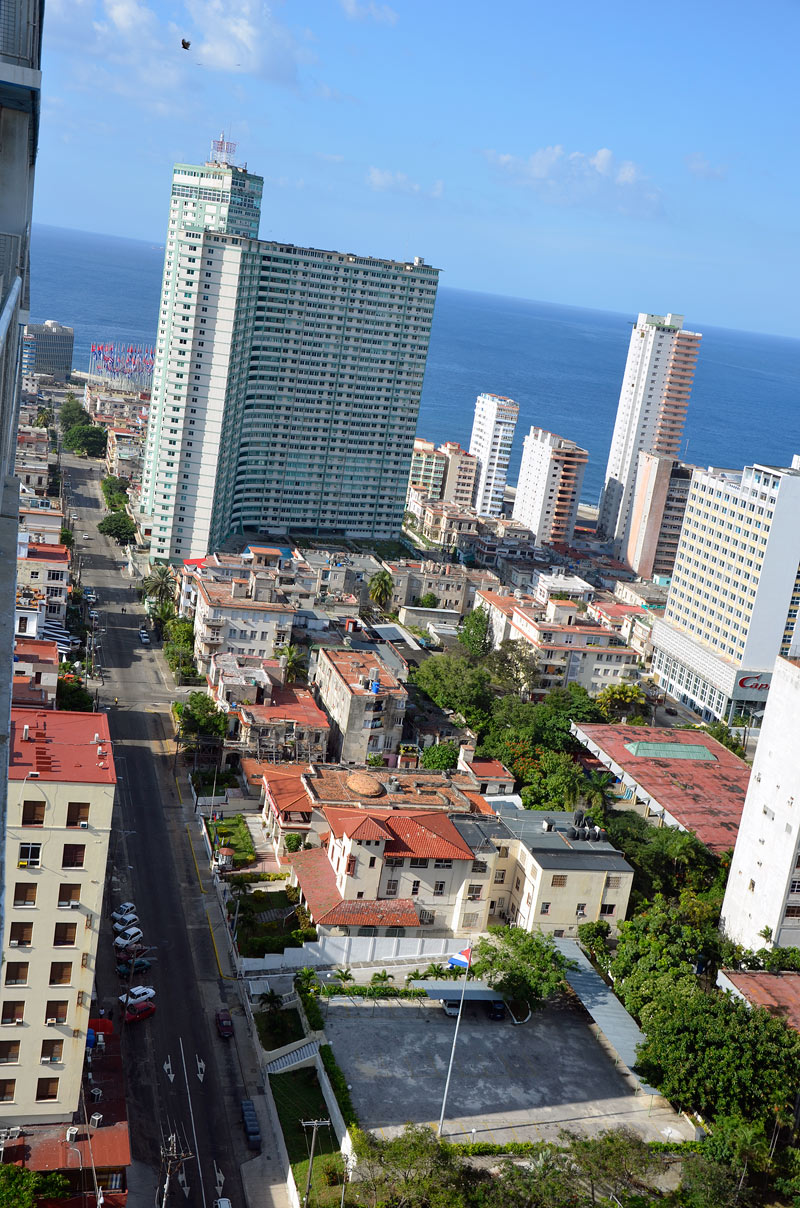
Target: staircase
[281,1064]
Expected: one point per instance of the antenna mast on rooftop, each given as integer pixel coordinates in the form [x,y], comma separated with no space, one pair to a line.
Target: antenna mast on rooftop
[223,151]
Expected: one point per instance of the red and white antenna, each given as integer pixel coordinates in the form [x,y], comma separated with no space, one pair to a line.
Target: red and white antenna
[223,151]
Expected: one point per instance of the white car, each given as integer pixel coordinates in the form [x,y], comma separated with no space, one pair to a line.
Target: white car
[138,994]
[84,536]
[128,920]
[123,908]
[131,936]
[94,615]
[144,637]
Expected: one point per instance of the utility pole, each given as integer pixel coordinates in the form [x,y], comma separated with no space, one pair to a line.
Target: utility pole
[174,1154]
[313,1124]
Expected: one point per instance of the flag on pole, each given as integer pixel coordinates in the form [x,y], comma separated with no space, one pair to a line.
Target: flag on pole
[461,960]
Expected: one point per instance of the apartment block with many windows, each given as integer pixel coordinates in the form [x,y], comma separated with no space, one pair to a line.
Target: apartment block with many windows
[490,443]
[549,486]
[61,795]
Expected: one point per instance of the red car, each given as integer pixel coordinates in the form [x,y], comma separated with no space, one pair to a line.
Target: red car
[224,1024]
[139,1010]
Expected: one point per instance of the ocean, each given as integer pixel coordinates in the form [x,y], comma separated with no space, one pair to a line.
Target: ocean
[562,364]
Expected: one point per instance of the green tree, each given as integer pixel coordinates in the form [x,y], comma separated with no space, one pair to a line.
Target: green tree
[656,943]
[513,666]
[201,716]
[72,696]
[345,977]
[440,756]
[71,414]
[596,792]
[162,616]
[706,1183]
[293,842]
[381,978]
[594,938]
[523,966]
[118,526]
[435,972]
[453,683]
[618,700]
[474,635]
[180,632]
[86,438]
[271,1002]
[44,417]
[306,980]
[66,538]
[615,1163]
[381,588]
[554,782]
[23,1188]
[429,600]
[410,1170]
[159,585]
[295,661]
[718,730]
[375,760]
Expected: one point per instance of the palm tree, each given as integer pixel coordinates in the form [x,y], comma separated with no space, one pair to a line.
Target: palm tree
[435,972]
[596,790]
[295,662]
[44,417]
[381,588]
[271,1002]
[344,977]
[163,614]
[381,979]
[306,981]
[414,975]
[159,585]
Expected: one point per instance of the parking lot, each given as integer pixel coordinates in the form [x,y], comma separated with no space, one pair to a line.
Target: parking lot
[509,1083]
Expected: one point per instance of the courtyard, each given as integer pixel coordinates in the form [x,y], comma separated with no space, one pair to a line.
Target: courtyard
[509,1083]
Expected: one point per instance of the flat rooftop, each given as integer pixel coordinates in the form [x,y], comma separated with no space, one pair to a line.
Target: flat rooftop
[60,747]
[779,993]
[687,773]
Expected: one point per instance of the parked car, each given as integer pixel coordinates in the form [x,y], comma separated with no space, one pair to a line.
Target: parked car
[124,908]
[139,964]
[131,936]
[138,994]
[671,712]
[450,1006]
[224,1023]
[84,536]
[139,1010]
[124,923]
[94,615]
[90,596]
[144,637]
[495,1008]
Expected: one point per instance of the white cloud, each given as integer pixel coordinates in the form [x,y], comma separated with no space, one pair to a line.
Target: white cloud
[703,169]
[383,181]
[565,178]
[381,13]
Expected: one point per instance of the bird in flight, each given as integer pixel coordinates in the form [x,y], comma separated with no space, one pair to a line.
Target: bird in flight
[185,44]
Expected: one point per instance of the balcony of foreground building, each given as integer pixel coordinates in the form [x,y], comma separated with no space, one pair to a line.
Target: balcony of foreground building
[89,1147]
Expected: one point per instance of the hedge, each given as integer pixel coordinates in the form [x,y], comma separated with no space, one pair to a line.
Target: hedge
[312,1010]
[339,1084]
[329,990]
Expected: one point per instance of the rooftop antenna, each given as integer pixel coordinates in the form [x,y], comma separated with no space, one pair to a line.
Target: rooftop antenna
[223,151]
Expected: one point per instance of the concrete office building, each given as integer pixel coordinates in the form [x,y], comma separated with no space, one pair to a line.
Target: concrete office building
[490,442]
[733,601]
[47,349]
[763,889]
[287,380]
[659,504]
[61,797]
[652,409]
[460,474]
[549,486]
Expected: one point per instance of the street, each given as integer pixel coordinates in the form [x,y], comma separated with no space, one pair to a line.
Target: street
[182,1079]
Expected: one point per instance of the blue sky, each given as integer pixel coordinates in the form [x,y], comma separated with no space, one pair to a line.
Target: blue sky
[620,155]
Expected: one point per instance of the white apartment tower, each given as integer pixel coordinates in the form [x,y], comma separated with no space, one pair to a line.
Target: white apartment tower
[549,485]
[763,889]
[491,440]
[652,409]
[733,601]
[60,802]
[287,380]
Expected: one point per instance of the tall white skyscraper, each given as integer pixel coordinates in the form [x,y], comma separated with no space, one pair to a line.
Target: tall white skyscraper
[652,409]
[492,436]
[287,381]
[549,485]
[733,601]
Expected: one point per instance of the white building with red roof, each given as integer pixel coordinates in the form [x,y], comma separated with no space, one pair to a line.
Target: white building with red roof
[35,674]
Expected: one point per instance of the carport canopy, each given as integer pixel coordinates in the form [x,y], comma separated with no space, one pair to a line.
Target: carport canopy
[476,991]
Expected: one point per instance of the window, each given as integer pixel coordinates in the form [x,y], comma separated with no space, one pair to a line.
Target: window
[30,855]
[67,894]
[60,973]
[613,882]
[438,889]
[419,863]
[479,866]
[443,864]
[33,813]
[12,1011]
[470,920]
[64,935]
[55,1010]
[52,1050]
[414,888]
[792,912]
[391,889]
[46,1090]
[607,909]
[372,861]
[580,909]
[394,861]
[558,881]
[9,1052]
[360,893]
[24,894]
[426,917]
[8,1088]
[545,908]
[500,877]
[473,893]
[73,855]
[20,934]
[351,866]
[516,883]
[17,973]
[77,812]
[794,887]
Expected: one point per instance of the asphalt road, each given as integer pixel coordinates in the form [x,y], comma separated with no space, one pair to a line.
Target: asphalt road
[181,1077]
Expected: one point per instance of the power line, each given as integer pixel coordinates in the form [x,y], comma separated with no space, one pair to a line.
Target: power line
[313,1124]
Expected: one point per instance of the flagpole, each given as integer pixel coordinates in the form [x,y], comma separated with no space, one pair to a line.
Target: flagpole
[455,1038]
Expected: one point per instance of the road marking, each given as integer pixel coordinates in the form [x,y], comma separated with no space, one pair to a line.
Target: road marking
[201,1067]
[181,1178]
[220,1177]
[191,1117]
[168,1069]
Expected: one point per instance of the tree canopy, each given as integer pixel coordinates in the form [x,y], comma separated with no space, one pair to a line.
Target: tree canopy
[429,600]
[554,781]
[159,584]
[71,695]
[513,666]
[381,588]
[474,635]
[452,682]
[441,755]
[524,967]
[86,438]
[23,1188]
[618,700]
[71,413]
[119,526]
[199,715]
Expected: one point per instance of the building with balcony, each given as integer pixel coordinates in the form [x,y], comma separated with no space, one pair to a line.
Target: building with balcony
[247,616]
[428,468]
[46,567]
[61,796]
[35,674]
[490,443]
[461,473]
[549,485]
[571,650]
[365,702]
[650,415]
[453,585]
[659,503]
[40,520]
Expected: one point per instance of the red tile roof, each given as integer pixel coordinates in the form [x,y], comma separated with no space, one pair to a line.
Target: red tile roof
[37,650]
[292,704]
[703,796]
[284,785]
[397,912]
[317,881]
[778,992]
[491,769]
[420,833]
[61,747]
